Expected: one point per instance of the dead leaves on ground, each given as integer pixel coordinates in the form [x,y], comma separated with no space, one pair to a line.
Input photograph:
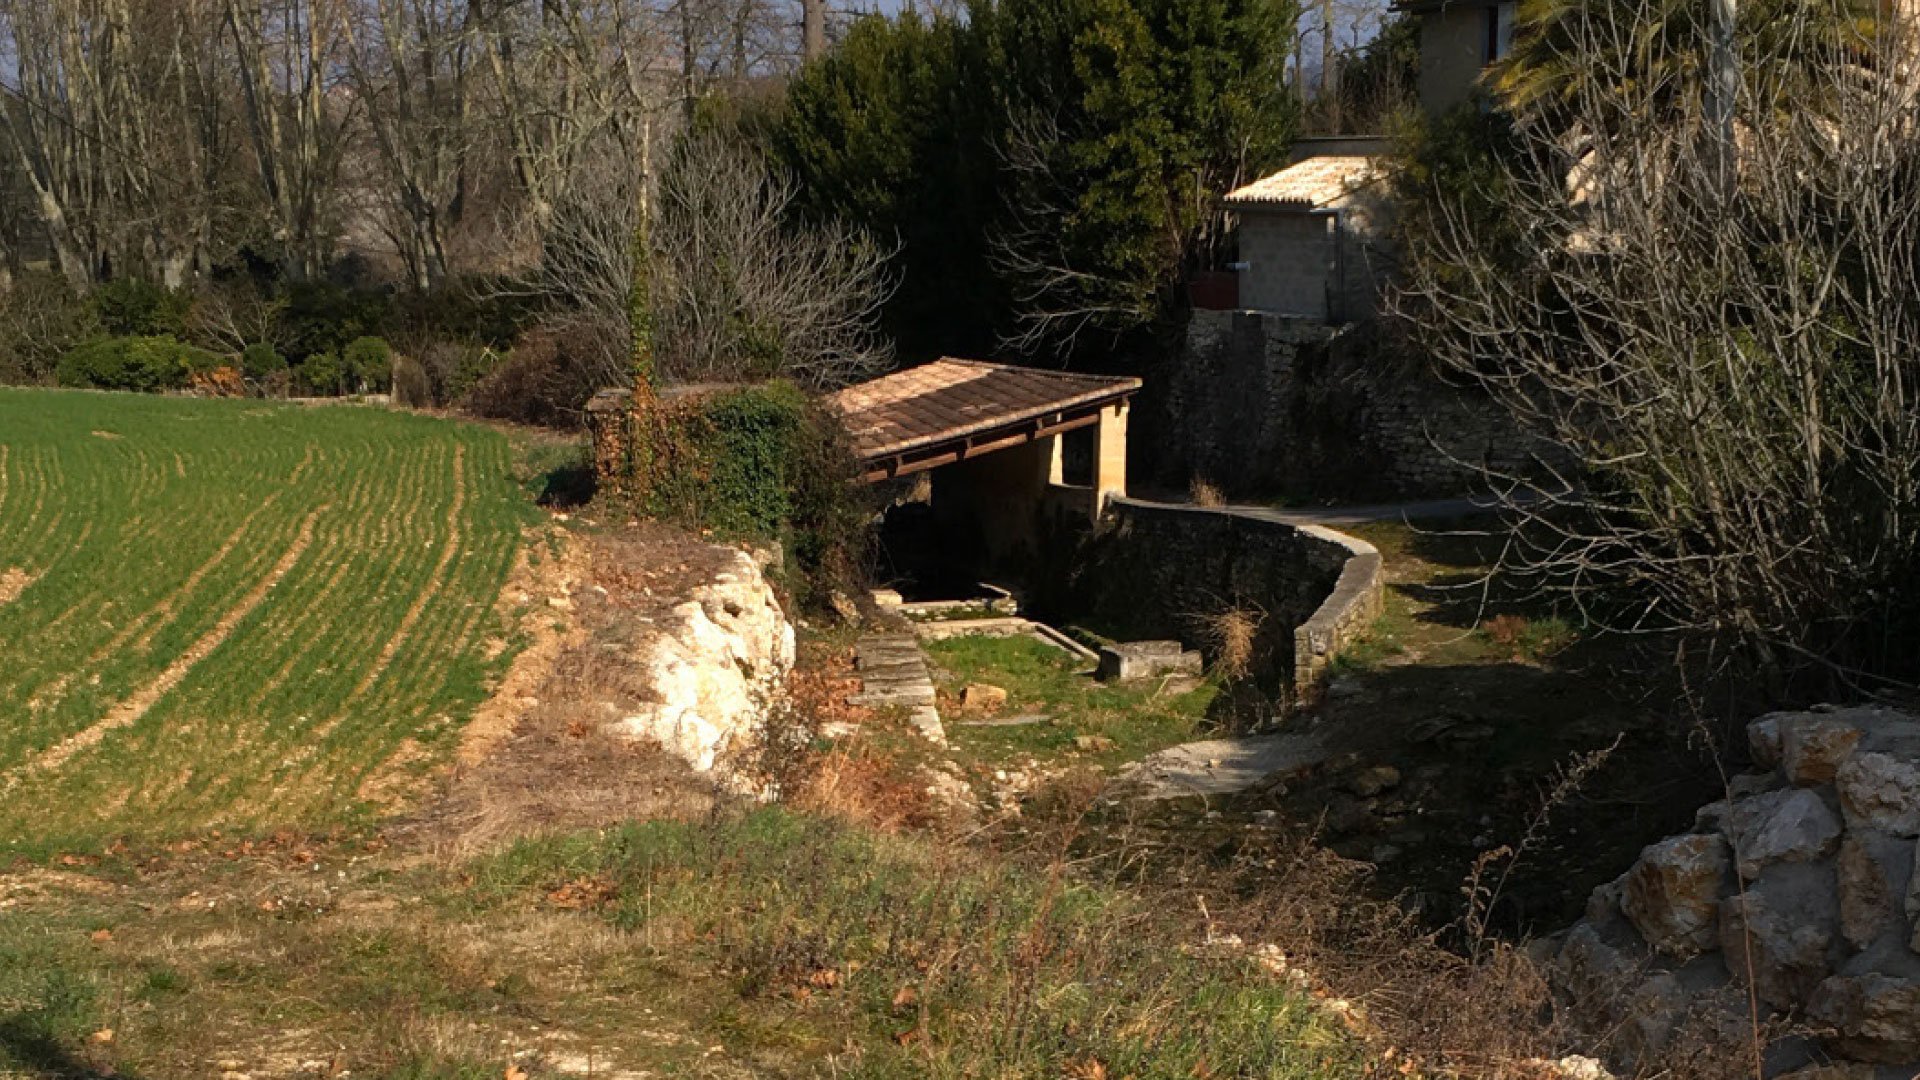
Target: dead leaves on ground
[584,894]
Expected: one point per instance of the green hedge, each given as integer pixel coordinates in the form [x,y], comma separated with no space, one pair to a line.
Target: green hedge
[146,363]
[764,462]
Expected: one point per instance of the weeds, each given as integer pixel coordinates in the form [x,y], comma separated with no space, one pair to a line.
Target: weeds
[1230,635]
[1203,492]
[942,961]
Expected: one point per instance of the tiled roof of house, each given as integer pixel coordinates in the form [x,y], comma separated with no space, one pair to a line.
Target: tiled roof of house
[1311,184]
[951,399]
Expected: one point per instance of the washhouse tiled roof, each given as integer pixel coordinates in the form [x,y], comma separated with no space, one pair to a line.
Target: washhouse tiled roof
[952,400]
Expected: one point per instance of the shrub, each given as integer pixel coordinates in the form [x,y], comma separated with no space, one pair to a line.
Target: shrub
[764,461]
[134,363]
[322,374]
[369,364]
[411,386]
[321,317]
[41,320]
[261,360]
[140,308]
[454,368]
[551,373]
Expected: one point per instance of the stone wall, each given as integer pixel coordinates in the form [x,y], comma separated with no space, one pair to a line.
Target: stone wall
[1156,570]
[1268,404]
[1799,886]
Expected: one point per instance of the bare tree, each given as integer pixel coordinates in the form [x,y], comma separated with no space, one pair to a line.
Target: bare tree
[813,36]
[565,75]
[414,64]
[1737,367]
[288,55]
[590,258]
[742,290]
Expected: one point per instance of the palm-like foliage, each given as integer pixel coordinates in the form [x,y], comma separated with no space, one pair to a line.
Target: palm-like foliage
[1658,52]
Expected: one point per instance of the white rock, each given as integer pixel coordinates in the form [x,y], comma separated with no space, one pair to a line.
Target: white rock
[714,666]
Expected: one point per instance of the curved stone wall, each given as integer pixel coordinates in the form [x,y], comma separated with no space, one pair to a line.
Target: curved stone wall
[1160,568]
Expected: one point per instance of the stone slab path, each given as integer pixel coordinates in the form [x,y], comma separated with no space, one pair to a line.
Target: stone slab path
[893,675]
[1219,767]
[1335,516]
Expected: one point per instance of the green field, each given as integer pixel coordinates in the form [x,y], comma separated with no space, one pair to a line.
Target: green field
[230,614]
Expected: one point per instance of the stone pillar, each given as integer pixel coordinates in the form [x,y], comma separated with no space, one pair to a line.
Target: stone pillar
[609,419]
[1110,456]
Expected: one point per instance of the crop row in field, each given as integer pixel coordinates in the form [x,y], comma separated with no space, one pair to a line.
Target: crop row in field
[232,614]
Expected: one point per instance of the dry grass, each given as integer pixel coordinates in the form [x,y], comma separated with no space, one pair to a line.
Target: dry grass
[1230,636]
[1203,492]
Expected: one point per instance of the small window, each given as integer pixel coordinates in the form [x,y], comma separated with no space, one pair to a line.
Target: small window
[1499,30]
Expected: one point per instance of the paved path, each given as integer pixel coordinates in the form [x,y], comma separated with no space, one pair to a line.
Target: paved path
[893,674]
[1418,510]
[1220,766]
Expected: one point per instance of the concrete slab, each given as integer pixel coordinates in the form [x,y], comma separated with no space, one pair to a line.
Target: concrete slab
[1218,767]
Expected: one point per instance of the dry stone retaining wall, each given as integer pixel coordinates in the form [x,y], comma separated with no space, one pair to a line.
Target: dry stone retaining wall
[1798,885]
[1263,403]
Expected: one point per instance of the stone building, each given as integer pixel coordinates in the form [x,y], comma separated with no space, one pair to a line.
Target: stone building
[1010,455]
[1458,39]
[1313,235]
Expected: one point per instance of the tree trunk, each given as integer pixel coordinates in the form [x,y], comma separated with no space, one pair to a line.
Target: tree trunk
[813,41]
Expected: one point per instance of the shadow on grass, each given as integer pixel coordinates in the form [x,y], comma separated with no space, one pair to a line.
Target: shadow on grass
[567,486]
[28,1045]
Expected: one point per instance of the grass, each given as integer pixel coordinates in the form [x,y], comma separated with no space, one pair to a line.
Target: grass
[1438,611]
[763,944]
[1135,719]
[237,614]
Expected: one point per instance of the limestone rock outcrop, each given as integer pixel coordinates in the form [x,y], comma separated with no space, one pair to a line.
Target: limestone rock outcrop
[714,664]
[1799,886]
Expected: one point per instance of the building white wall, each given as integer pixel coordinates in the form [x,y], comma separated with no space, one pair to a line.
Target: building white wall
[1290,263]
[1300,264]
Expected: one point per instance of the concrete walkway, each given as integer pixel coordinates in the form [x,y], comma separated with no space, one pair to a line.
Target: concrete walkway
[1218,767]
[1417,510]
[893,675]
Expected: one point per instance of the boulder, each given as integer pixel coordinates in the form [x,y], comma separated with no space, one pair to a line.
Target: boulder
[1372,781]
[1672,894]
[983,698]
[1878,791]
[1133,660]
[1784,923]
[713,665]
[1872,1017]
[1873,872]
[1812,749]
[1789,825]
[1590,965]
[1764,738]
[1654,1011]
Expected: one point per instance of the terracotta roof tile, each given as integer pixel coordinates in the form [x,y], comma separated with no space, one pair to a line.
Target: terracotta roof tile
[951,399]
[1310,184]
